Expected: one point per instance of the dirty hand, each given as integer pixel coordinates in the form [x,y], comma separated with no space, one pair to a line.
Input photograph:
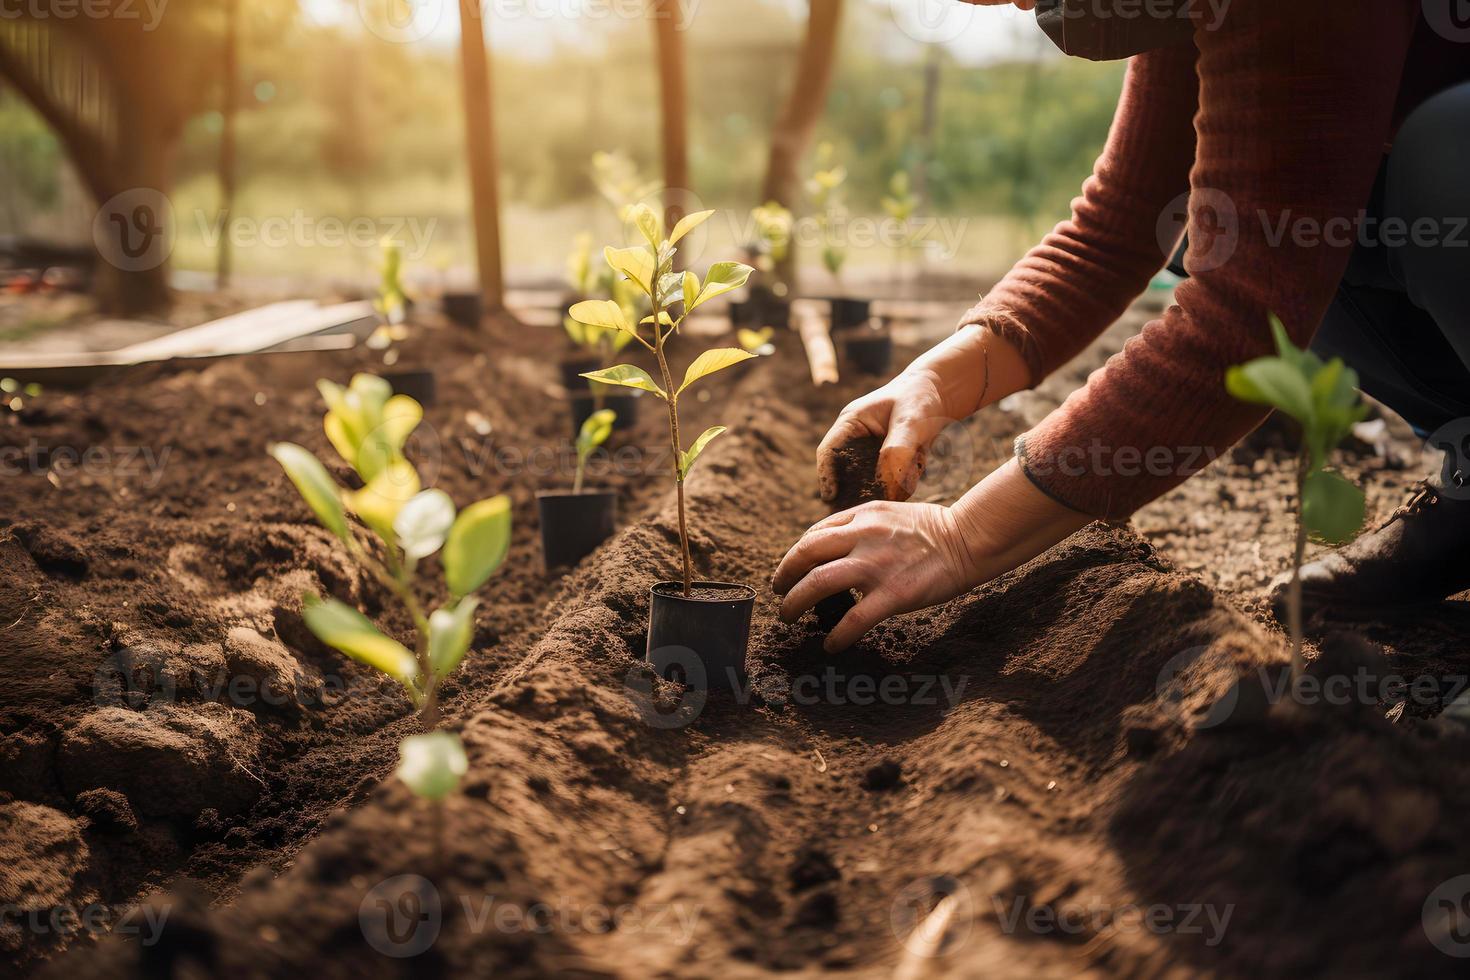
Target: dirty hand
[899,556]
[956,378]
[907,556]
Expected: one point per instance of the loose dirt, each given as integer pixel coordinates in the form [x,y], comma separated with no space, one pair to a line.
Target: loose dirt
[1014,784]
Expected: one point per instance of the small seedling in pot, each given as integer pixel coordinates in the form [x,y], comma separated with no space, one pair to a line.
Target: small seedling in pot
[767,303]
[392,300]
[825,187]
[575,523]
[673,296]
[368,426]
[1323,398]
[900,203]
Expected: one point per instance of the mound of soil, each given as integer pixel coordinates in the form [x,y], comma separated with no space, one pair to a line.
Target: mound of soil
[1029,781]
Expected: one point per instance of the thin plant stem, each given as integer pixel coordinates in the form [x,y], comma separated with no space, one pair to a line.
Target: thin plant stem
[581,466]
[673,400]
[1294,592]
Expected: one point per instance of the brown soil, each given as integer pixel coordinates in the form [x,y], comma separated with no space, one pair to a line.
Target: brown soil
[1027,750]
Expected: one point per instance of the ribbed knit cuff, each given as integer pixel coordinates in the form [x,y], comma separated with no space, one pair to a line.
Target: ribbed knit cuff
[1008,327]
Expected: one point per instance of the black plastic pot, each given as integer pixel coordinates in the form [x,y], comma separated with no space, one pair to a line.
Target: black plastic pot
[573,524]
[871,351]
[573,366]
[849,314]
[464,308]
[701,640]
[583,405]
[762,309]
[418,385]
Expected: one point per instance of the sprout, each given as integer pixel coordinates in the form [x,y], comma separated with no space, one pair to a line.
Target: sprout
[825,190]
[900,204]
[1323,397]
[392,300]
[368,426]
[649,267]
[773,228]
[595,431]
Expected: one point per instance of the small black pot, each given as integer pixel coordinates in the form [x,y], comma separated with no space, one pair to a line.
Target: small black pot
[418,385]
[464,308]
[573,367]
[870,350]
[583,405]
[700,640]
[573,524]
[848,313]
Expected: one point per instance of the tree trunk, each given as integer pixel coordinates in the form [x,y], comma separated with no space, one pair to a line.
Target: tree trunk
[792,135]
[480,142]
[669,42]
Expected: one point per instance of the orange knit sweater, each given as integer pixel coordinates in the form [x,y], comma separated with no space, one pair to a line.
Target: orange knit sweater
[1276,123]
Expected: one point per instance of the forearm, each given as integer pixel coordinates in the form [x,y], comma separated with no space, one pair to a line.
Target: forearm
[973,368]
[1004,521]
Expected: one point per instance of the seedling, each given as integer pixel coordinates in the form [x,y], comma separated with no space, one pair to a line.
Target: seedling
[368,426]
[773,227]
[616,178]
[392,300]
[650,268]
[1323,398]
[826,190]
[758,342]
[595,432]
[900,203]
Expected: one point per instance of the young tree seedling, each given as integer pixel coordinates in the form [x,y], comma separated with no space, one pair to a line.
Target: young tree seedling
[595,431]
[773,227]
[825,189]
[1323,398]
[368,426]
[650,268]
[900,203]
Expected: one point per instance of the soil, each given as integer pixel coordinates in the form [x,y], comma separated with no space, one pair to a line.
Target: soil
[1023,772]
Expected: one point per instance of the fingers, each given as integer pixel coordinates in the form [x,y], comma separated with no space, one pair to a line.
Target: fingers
[869,612]
[818,584]
[818,546]
[849,426]
[904,453]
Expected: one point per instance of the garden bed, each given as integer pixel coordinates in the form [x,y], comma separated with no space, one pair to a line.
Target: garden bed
[1027,749]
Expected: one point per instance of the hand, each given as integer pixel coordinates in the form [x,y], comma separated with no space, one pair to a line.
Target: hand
[956,378]
[906,556]
[899,556]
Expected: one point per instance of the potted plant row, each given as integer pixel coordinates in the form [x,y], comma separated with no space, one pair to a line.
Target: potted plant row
[698,630]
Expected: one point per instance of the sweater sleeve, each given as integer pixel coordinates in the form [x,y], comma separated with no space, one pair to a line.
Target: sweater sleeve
[1070,288]
[1295,105]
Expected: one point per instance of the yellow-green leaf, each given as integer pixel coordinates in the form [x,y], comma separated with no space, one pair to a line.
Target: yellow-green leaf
[687,224]
[721,278]
[711,361]
[317,488]
[379,502]
[477,544]
[691,290]
[649,223]
[687,458]
[450,631]
[754,340]
[595,430]
[343,628]
[636,264]
[628,376]
[600,313]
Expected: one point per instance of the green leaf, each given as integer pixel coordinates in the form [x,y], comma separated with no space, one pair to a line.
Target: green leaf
[317,488]
[628,376]
[636,264]
[450,631]
[1332,508]
[431,765]
[595,430]
[423,523]
[649,223]
[670,286]
[687,458]
[379,502]
[754,340]
[1272,381]
[711,361]
[687,224]
[721,278]
[343,628]
[477,544]
[691,290]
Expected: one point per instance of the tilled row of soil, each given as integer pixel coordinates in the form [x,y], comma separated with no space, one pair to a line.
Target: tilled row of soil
[1015,784]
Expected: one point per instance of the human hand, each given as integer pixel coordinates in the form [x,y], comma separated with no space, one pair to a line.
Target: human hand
[907,414]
